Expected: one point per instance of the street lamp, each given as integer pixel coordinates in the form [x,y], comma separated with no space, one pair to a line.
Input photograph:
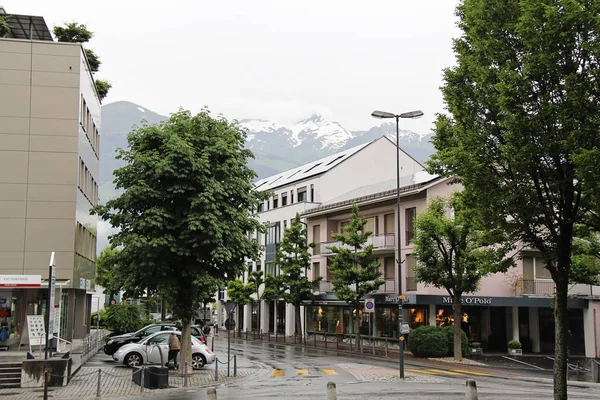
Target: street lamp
[385,115]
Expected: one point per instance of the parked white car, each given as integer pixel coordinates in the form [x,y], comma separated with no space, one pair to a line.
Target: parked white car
[146,351]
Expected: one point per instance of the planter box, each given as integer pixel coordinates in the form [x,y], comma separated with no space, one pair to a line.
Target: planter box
[476,351]
[154,377]
[515,352]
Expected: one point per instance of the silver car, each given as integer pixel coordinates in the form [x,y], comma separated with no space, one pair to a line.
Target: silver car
[146,351]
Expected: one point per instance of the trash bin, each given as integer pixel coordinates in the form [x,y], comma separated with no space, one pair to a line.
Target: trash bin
[154,377]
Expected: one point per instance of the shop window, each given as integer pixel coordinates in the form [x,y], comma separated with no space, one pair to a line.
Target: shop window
[418,317]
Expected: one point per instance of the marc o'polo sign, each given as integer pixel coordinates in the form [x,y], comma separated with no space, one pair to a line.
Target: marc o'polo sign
[471,301]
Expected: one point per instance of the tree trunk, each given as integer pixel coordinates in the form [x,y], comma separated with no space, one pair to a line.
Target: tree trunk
[258,323]
[560,337]
[298,320]
[358,346]
[457,310]
[163,308]
[186,347]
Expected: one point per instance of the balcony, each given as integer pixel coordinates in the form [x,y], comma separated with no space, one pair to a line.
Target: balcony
[389,286]
[533,287]
[325,287]
[379,242]
[411,284]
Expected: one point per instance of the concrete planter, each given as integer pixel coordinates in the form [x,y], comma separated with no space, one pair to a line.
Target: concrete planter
[32,374]
[515,352]
[154,377]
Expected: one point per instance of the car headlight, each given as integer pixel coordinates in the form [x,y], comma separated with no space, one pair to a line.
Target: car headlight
[110,342]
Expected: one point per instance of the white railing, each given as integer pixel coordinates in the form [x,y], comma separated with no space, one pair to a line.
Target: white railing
[379,242]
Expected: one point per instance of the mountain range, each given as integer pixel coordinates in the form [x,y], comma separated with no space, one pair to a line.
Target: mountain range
[276,147]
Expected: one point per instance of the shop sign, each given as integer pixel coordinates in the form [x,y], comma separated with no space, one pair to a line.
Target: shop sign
[474,301]
[20,280]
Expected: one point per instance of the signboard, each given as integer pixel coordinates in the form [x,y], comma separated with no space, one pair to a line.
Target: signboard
[56,326]
[476,301]
[369,305]
[20,280]
[34,333]
[51,295]
[88,285]
[404,329]
[81,283]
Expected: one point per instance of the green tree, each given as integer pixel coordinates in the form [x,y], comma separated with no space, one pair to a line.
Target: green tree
[585,259]
[108,273]
[452,254]
[355,271]
[73,32]
[124,318]
[255,281]
[521,132]
[241,294]
[4,26]
[184,215]
[102,87]
[293,259]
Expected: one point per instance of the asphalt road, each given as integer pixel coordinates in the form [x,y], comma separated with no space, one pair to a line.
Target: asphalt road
[293,372]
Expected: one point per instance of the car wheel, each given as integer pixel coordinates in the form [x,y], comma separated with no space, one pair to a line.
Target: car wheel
[198,361]
[133,360]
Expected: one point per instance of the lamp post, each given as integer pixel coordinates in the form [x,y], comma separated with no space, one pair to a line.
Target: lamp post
[385,115]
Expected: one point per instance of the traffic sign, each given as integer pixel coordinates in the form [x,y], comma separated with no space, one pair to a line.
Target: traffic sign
[369,305]
[230,324]
[229,305]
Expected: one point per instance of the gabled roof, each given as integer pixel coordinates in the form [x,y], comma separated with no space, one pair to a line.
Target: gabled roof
[308,170]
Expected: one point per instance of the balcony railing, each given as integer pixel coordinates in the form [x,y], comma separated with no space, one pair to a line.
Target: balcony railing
[389,286]
[380,242]
[542,288]
[325,287]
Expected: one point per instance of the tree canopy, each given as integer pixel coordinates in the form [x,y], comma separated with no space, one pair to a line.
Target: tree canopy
[354,269]
[4,26]
[452,254]
[521,131]
[108,273]
[184,215]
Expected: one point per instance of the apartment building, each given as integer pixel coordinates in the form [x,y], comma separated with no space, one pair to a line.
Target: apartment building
[49,137]
[305,187]
[515,305]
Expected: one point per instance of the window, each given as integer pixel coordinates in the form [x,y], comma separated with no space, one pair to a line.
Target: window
[390,223]
[376,228]
[292,197]
[316,239]
[313,167]
[261,207]
[316,270]
[283,199]
[258,266]
[410,215]
[389,268]
[312,193]
[151,330]
[343,224]
[275,201]
[411,262]
[302,194]
[158,339]
[335,159]
[535,268]
[284,224]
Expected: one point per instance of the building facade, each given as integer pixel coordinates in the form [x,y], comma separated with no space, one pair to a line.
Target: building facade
[513,305]
[49,137]
[302,188]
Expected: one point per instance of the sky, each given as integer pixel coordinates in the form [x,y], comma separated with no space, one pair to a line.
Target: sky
[279,60]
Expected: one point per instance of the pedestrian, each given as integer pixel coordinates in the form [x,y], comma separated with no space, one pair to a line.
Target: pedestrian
[174,348]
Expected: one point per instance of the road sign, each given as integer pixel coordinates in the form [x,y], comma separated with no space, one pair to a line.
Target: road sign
[404,329]
[229,305]
[369,305]
[230,324]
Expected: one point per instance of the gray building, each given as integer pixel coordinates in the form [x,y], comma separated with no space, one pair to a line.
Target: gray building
[49,136]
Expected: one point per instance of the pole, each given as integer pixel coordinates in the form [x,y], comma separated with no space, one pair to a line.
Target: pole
[98,315]
[229,342]
[399,247]
[46,384]
[98,391]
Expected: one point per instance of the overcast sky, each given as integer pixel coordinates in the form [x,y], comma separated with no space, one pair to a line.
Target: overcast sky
[281,60]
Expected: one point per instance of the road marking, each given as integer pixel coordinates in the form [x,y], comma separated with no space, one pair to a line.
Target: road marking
[441,371]
[329,372]
[422,371]
[302,372]
[469,372]
[278,372]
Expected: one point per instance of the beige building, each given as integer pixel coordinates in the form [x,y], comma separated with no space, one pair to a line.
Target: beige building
[49,124]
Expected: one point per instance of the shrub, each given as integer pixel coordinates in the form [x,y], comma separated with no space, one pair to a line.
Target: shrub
[464,341]
[102,318]
[428,341]
[514,344]
[474,345]
[124,318]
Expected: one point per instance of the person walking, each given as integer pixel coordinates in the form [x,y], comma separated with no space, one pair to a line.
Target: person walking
[174,348]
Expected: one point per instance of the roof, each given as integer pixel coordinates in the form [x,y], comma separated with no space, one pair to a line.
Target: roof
[28,27]
[310,169]
[408,184]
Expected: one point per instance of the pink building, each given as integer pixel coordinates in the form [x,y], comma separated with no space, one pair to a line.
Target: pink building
[514,305]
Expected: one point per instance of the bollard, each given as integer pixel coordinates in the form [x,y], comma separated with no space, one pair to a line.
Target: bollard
[46,373]
[373,345]
[386,347]
[98,394]
[212,344]
[331,391]
[216,369]
[246,334]
[185,374]
[211,393]
[471,390]
[315,340]
[234,365]
[142,380]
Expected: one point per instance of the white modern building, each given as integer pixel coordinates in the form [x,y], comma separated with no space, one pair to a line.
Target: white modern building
[306,187]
